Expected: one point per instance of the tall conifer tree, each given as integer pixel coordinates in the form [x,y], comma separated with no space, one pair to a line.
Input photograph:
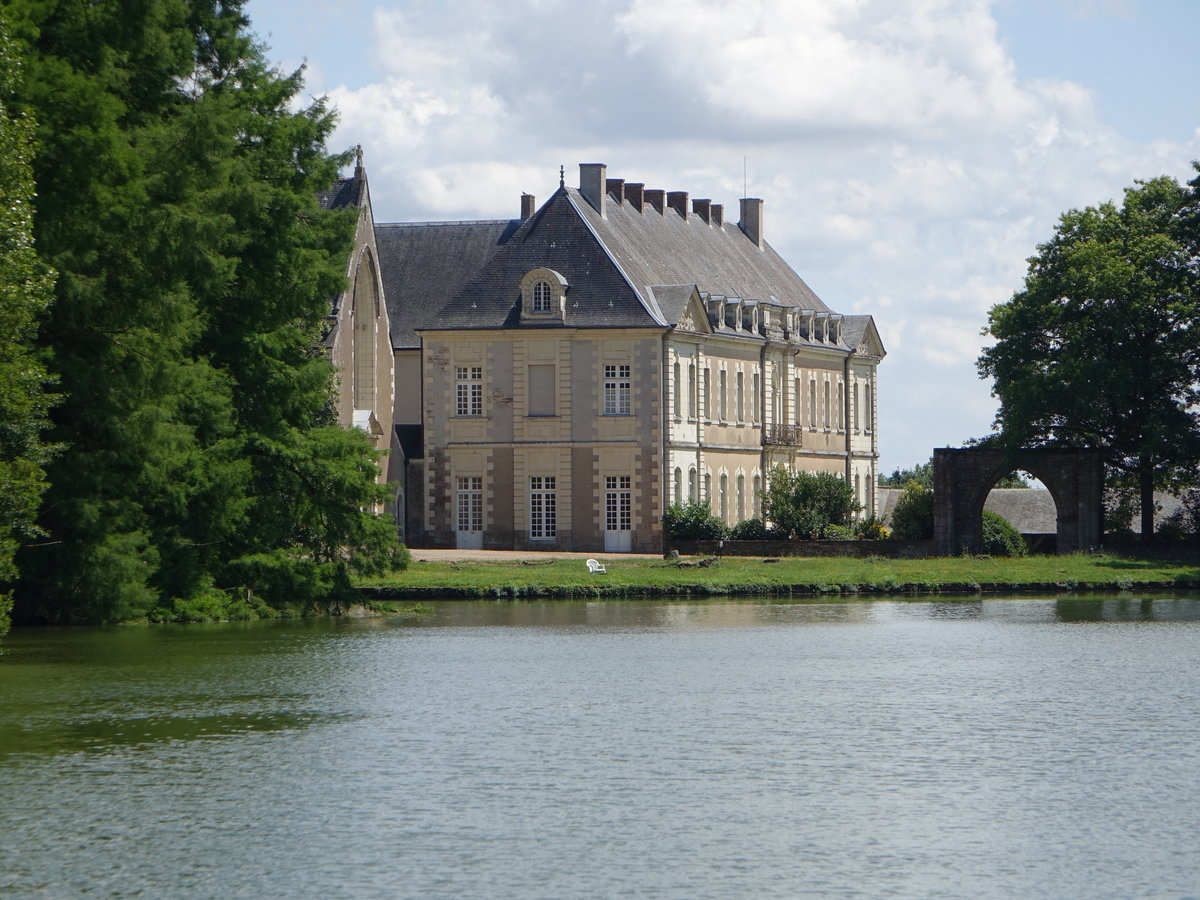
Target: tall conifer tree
[25,286]
[177,200]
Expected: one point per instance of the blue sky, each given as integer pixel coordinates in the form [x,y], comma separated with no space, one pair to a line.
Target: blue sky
[911,153]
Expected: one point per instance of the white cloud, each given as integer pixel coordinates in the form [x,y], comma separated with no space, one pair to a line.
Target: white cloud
[907,171]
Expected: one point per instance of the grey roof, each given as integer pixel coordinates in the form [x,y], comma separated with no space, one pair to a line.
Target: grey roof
[555,237]
[634,268]
[344,193]
[854,328]
[665,249]
[424,264]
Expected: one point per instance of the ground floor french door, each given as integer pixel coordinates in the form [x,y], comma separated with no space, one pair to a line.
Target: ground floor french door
[618,514]
[469,508]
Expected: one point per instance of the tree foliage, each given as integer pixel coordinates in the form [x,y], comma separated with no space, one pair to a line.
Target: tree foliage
[922,473]
[805,506]
[177,200]
[1000,538]
[912,516]
[25,290]
[693,521]
[1100,348]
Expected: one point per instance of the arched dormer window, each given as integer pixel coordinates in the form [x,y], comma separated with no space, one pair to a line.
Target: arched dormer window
[543,293]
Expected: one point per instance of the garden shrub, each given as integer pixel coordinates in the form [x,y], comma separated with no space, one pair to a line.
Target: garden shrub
[1000,538]
[912,516]
[693,521]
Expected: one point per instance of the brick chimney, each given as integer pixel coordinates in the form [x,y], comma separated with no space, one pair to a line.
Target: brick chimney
[752,220]
[658,199]
[528,202]
[592,185]
[701,208]
[616,187]
[678,201]
[633,193]
[717,211]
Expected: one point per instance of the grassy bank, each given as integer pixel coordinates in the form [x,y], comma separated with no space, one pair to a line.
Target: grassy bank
[792,575]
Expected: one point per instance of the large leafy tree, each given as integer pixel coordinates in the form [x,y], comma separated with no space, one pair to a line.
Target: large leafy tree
[804,505]
[1101,348]
[25,287]
[177,185]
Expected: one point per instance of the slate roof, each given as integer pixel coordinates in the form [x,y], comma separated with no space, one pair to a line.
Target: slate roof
[424,264]
[344,193]
[631,269]
[557,238]
[665,249]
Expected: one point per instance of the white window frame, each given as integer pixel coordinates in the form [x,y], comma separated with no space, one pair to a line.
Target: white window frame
[468,391]
[617,380]
[469,503]
[540,301]
[543,508]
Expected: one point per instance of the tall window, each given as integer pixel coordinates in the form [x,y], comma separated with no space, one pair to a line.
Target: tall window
[469,391]
[740,396]
[707,393]
[470,503]
[755,500]
[691,485]
[692,392]
[755,395]
[618,503]
[797,413]
[741,497]
[722,390]
[841,406]
[677,392]
[826,417]
[724,497]
[812,403]
[708,487]
[616,390]
[541,297]
[543,518]
[678,485]
[857,414]
[867,411]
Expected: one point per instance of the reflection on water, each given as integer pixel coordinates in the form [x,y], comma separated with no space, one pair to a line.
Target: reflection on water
[962,746]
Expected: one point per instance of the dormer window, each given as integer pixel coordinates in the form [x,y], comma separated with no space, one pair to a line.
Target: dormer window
[543,293]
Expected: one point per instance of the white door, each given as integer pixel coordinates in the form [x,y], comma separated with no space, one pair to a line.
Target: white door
[618,515]
[469,525]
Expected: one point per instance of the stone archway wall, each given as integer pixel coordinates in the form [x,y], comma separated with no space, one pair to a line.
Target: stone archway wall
[962,479]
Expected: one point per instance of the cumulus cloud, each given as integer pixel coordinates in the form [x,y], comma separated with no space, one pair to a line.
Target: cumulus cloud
[908,170]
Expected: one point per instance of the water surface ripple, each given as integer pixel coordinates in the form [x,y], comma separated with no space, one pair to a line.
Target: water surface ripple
[999,748]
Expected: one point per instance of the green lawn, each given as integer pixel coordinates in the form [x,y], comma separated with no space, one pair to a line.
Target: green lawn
[749,575]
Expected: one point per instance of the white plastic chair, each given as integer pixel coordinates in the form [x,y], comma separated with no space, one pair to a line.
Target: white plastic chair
[595,567]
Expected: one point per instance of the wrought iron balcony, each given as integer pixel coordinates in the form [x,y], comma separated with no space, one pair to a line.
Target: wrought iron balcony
[787,435]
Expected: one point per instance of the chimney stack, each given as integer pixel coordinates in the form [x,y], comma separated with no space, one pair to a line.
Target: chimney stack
[592,185]
[701,208]
[678,201]
[528,202]
[658,199]
[752,220]
[717,211]
[634,193]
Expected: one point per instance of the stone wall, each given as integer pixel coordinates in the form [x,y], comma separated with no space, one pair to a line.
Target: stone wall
[855,549]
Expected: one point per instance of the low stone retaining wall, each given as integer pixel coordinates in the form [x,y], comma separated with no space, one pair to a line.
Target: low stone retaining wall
[856,549]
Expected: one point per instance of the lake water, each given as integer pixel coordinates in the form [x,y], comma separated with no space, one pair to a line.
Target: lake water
[998,748]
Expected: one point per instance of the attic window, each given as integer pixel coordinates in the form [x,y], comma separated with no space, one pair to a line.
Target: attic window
[543,293]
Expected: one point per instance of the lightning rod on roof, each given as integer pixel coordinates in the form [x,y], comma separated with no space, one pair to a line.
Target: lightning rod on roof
[745,190]
[562,176]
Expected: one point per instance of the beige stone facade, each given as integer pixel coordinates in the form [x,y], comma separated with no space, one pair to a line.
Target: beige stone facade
[564,377]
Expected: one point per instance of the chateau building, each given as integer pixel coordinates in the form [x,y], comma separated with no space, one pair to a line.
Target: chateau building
[561,378]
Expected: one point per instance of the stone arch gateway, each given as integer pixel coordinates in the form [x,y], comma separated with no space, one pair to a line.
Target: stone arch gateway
[963,477]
